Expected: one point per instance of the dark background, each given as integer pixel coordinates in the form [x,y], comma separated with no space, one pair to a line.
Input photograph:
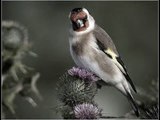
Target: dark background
[133,26]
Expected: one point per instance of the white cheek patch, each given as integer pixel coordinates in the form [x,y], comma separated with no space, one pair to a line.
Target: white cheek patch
[86,11]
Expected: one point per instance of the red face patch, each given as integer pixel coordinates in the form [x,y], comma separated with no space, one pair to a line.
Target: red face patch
[79,21]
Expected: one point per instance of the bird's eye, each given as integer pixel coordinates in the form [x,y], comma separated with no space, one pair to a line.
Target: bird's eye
[85,18]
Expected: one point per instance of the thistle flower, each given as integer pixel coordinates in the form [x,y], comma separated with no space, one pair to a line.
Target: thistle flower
[87,111]
[72,91]
[83,74]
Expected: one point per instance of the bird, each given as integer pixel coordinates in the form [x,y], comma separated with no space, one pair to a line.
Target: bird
[93,49]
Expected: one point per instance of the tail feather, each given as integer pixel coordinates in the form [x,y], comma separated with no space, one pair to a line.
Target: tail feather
[124,88]
[133,103]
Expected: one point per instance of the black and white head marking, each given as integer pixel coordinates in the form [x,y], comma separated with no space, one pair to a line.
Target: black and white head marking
[82,22]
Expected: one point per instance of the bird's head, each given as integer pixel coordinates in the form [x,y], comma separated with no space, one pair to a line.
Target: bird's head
[81,20]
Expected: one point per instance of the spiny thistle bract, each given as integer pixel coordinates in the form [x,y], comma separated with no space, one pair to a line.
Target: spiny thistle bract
[73,91]
[75,88]
[66,112]
[87,111]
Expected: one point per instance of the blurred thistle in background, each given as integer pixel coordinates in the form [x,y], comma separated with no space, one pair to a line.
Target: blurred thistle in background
[133,26]
[17,78]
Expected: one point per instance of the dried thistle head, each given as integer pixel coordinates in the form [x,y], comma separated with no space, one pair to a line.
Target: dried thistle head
[149,110]
[26,87]
[14,46]
[87,111]
[16,77]
[73,91]
[14,35]
[9,92]
[30,85]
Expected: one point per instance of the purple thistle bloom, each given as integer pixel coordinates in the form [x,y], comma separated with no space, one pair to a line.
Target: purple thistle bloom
[83,74]
[87,111]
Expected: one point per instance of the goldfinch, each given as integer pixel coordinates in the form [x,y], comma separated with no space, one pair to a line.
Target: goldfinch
[93,49]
